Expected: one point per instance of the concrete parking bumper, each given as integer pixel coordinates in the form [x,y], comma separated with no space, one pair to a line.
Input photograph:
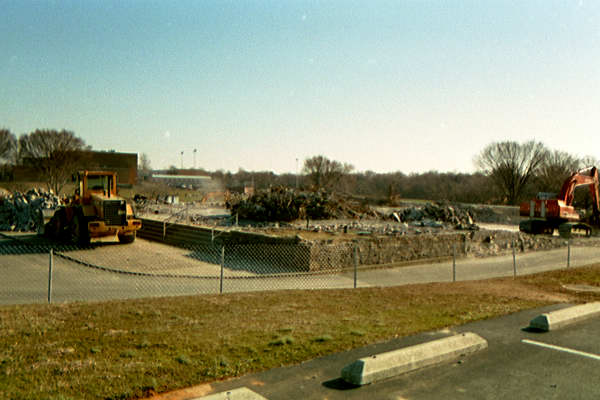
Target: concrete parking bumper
[558,319]
[385,365]
[236,394]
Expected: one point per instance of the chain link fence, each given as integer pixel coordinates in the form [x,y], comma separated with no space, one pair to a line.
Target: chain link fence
[33,271]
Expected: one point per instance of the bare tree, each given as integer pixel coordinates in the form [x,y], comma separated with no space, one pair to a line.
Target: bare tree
[144,162]
[325,173]
[555,169]
[144,166]
[8,147]
[511,165]
[56,154]
[589,161]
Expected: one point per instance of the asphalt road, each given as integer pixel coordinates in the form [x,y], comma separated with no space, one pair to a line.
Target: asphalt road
[150,269]
[516,365]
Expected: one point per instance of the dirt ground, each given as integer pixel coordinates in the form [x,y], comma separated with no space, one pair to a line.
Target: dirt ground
[494,229]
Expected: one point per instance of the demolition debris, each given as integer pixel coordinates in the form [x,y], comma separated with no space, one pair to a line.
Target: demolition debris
[286,205]
[281,204]
[23,212]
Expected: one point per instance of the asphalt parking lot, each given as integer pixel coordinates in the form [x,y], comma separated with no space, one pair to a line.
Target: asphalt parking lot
[518,364]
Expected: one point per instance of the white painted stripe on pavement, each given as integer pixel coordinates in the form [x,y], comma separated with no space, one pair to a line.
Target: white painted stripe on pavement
[564,349]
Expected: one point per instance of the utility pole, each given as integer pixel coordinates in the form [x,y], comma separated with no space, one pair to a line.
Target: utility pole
[296,173]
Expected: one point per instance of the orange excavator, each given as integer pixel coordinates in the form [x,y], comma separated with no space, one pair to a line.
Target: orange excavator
[547,213]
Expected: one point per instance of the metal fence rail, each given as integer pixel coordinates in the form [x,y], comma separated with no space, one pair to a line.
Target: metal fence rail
[33,272]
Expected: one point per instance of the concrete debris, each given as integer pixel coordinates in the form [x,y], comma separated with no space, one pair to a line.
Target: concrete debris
[284,204]
[140,200]
[437,215]
[24,211]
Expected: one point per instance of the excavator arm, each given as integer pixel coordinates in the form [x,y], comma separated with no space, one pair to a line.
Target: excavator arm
[588,177]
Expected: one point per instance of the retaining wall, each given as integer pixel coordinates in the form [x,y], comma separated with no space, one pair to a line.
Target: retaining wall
[293,254]
[284,253]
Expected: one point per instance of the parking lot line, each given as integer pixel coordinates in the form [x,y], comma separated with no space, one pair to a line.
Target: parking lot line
[564,349]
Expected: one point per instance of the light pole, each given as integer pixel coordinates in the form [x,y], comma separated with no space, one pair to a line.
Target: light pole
[296,173]
[182,160]
[195,150]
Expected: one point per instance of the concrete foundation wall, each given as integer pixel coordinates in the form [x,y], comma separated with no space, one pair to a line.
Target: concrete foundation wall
[291,254]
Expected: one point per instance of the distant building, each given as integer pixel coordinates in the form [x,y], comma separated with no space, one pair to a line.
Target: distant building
[124,164]
[194,182]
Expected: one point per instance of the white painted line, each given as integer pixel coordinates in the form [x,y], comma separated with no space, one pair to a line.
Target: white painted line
[565,349]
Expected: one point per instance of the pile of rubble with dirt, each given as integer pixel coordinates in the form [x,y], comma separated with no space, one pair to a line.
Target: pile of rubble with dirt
[280,204]
[430,218]
[280,208]
[285,205]
[284,208]
[437,215]
[23,212]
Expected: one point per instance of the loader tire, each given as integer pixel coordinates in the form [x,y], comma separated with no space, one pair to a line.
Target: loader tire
[55,228]
[78,230]
[127,238]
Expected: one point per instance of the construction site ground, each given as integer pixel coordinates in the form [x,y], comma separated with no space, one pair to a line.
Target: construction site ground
[489,230]
[494,229]
[216,215]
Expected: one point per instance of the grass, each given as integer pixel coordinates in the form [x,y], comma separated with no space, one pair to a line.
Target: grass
[130,349]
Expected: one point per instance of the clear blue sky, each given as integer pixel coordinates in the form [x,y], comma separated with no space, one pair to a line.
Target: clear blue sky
[384,85]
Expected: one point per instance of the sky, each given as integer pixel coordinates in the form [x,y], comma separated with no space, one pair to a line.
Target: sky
[386,86]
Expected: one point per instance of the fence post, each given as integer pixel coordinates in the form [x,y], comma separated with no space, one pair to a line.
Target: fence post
[454,262]
[568,253]
[514,260]
[50,276]
[222,268]
[355,264]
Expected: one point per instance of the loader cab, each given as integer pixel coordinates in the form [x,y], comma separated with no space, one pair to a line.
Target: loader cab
[97,182]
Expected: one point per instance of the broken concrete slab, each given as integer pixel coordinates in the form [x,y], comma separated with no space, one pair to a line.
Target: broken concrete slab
[24,211]
[560,318]
[385,365]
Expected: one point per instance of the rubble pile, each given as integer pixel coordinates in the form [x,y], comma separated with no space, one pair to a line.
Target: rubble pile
[284,204]
[437,215]
[287,205]
[351,208]
[499,215]
[276,204]
[24,211]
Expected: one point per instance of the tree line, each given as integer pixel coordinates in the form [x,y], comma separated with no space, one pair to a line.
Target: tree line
[508,172]
[54,154]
